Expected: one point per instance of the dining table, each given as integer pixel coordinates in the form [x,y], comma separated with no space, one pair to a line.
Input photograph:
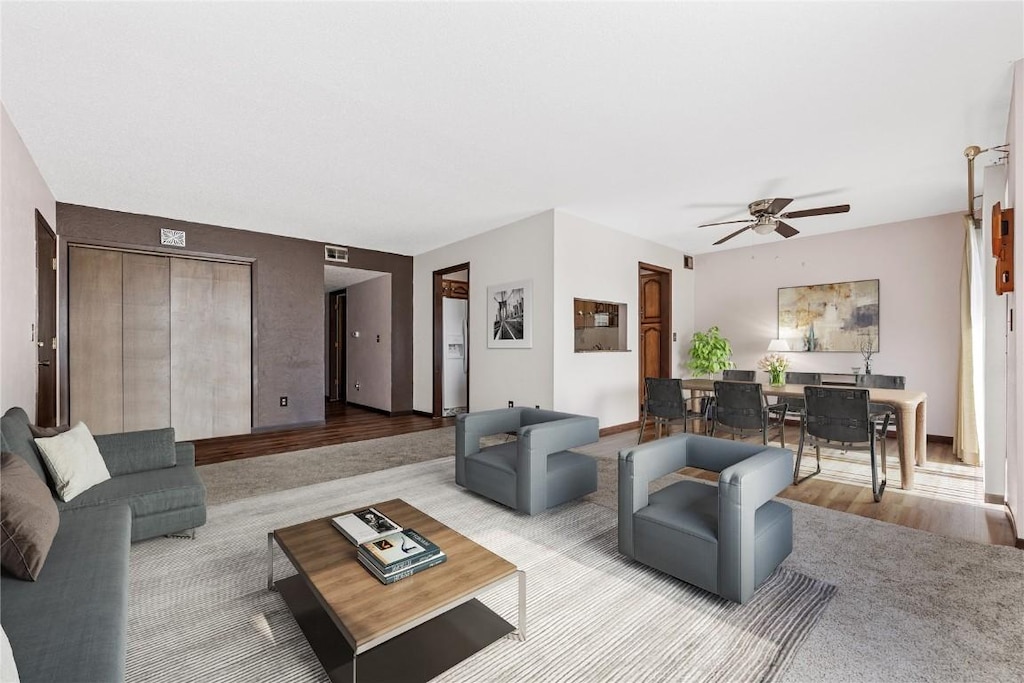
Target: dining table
[909,405]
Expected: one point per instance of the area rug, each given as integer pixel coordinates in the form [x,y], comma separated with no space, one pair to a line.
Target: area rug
[199,610]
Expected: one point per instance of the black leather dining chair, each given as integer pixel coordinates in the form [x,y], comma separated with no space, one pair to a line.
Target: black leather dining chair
[739,375]
[740,408]
[664,402]
[883,382]
[839,417]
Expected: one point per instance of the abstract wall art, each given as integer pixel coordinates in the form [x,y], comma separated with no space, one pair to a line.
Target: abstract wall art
[842,316]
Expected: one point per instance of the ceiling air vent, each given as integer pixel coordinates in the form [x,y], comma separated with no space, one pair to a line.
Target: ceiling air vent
[335,254]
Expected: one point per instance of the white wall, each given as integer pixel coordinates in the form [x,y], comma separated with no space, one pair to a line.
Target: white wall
[918,265]
[595,262]
[518,251]
[996,316]
[1015,340]
[368,356]
[22,191]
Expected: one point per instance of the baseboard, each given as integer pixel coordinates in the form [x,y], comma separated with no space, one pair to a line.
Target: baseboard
[938,438]
[379,411]
[289,425]
[995,499]
[423,413]
[618,429]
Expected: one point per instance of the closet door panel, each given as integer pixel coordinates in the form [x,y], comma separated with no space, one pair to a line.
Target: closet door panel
[147,342]
[193,332]
[232,350]
[94,339]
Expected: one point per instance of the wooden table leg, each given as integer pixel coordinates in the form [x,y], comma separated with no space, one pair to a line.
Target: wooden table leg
[908,445]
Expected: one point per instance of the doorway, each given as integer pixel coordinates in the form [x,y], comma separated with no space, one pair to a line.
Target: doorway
[451,341]
[336,382]
[655,298]
[46,323]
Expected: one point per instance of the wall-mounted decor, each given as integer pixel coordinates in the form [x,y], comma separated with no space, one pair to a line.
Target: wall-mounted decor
[510,315]
[842,316]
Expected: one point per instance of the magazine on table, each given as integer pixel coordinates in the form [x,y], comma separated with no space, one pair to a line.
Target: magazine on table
[365,525]
[405,572]
[398,550]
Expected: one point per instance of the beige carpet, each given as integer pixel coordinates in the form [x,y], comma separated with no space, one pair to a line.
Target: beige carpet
[911,605]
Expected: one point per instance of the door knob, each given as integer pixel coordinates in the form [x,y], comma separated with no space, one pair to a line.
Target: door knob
[45,363]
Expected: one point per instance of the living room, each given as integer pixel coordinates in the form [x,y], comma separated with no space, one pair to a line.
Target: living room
[554,146]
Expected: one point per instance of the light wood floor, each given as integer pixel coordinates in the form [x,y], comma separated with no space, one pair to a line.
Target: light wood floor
[979,522]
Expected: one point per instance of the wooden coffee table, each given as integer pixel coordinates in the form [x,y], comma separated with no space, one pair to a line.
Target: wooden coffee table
[410,630]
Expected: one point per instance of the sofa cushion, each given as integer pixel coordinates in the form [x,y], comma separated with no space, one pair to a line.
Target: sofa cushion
[147,493]
[18,439]
[28,518]
[46,432]
[74,461]
[71,624]
[130,452]
[688,506]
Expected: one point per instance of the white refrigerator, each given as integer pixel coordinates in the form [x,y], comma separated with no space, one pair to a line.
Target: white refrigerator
[455,393]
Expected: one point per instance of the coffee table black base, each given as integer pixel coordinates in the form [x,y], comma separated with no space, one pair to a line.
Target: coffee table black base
[419,654]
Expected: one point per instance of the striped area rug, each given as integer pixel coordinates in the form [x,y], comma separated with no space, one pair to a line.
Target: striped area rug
[200,611]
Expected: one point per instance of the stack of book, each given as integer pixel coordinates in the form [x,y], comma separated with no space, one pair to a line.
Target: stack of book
[399,555]
[363,526]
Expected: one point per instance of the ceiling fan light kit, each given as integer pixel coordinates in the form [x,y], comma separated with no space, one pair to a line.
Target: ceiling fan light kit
[767,217]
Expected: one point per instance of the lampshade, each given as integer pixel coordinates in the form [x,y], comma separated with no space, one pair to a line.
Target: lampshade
[778,345]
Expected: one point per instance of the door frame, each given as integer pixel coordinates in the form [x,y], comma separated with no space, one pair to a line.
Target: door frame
[665,362]
[45,232]
[336,337]
[439,342]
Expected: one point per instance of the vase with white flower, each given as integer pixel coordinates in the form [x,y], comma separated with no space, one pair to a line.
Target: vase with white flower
[775,365]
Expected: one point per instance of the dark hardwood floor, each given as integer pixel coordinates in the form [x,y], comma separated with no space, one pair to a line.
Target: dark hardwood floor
[343,424]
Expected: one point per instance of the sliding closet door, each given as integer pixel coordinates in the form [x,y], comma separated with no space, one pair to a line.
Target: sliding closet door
[210,349]
[232,380]
[147,341]
[94,339]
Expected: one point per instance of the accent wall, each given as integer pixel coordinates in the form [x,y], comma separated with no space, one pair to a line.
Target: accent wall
[917,264]
[22,192]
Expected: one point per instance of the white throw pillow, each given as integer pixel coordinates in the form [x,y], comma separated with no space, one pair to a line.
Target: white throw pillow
[74,460]
[8,669]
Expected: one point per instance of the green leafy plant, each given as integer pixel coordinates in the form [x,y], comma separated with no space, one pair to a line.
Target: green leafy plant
[709,352]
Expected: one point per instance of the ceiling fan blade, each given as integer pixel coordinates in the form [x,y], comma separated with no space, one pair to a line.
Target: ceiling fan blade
[785,229]
[778,205]
[820,211]
[729,237]
[708,225]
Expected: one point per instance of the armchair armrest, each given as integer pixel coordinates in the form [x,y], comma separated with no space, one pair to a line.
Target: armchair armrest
[471,427]
[742,489]
[638,467]
[535,443]
[128,452]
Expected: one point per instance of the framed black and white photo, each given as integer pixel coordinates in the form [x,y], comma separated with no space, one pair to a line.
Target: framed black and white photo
[510,315]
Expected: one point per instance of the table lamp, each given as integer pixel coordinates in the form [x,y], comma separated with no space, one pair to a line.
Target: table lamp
[777,345]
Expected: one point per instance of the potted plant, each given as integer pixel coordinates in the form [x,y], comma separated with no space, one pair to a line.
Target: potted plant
[709,353]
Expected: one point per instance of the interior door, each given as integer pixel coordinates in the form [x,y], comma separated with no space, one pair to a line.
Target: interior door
[650,325]
[336,342]
[46,323]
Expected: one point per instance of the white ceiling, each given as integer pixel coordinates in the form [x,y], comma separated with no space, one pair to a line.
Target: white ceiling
[340,277]
[406,126]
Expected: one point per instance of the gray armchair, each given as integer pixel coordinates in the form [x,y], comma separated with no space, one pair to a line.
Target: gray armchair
[533,473]
[726,539]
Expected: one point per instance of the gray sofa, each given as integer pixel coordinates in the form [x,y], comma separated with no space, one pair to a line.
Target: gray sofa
[535,471]
[70,624]
[726,539]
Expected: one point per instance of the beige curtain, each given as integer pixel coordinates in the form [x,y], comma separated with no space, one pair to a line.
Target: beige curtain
[965,442]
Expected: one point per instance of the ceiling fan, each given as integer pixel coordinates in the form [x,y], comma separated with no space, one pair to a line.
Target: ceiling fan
[766,217]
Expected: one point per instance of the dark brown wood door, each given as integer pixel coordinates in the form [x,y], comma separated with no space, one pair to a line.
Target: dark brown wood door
[46,323]
[650,325]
